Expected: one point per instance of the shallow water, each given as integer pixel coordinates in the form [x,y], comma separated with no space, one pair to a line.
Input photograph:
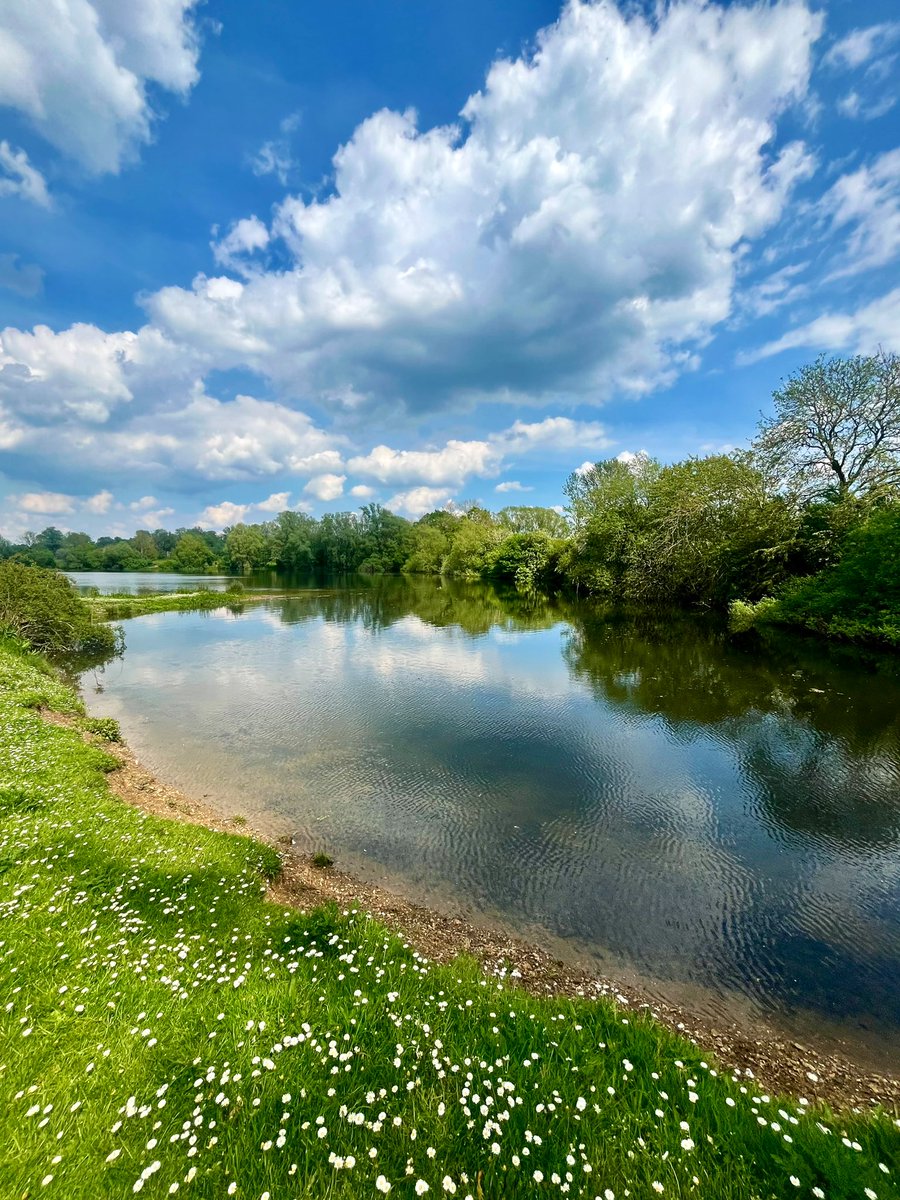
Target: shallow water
[137,582]
[715,816]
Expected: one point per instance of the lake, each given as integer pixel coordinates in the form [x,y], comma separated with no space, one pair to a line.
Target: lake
[719,818]
[142,582]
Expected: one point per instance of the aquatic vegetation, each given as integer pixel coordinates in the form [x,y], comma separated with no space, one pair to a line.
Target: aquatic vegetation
[164,1030]
[122,605]
[119,606]
[106,728]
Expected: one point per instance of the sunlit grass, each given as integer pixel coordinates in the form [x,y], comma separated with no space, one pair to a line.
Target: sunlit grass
[164,1030]
[119,606]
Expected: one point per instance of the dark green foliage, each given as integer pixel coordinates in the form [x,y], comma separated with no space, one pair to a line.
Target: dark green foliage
[859,597]
[44,608]
[292,536]
[526,559]
[322,860]
[385,540]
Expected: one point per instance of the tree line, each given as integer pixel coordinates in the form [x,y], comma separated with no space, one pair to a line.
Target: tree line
[803,527]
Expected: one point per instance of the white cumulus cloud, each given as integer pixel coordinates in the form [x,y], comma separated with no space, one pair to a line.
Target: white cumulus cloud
[275,503]
[578,232]
[98,503]
[554,433]
[217,516]
[416,501]
[45,503]
[18,177]
[453,463]
[81,372]
[326,487]
[244,238]
[78,70]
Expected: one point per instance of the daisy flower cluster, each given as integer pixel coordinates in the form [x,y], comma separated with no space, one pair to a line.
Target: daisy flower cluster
[164,1031]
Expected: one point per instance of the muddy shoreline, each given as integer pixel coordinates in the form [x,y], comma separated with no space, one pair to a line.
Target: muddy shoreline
[757,1050]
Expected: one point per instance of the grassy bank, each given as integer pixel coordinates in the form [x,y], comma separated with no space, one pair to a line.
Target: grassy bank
[118,606]
[165,1030]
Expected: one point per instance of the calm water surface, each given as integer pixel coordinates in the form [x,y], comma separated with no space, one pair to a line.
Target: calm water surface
[137,582]
[722,819]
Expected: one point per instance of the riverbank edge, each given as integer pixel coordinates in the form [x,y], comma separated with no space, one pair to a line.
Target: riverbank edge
[775,1061]
[742,616]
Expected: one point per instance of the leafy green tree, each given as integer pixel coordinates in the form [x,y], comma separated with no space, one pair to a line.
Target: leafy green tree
[386,539]
[472,547]
[608,506]
[338,545]
[122,556]
[859,597]
[523,518]
[526,559]
[191,553]
[292,541]
[78,553]
[165,542]
[429,547]
[823,527]
[247,547]
[442,519]
[145,545]
[836,426]
[714,530]
[50,538]
[39,556]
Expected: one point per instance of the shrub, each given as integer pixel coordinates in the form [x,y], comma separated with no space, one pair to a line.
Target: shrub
[104,727]
[743,616]
[43,608]
[859,597]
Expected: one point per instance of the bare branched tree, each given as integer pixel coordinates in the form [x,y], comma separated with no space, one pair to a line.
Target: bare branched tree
[836,427]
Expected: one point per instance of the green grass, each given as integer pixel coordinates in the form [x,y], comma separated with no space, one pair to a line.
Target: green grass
[119,606]
[164,1030]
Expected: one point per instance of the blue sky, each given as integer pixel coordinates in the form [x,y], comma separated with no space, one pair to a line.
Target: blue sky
[282,255]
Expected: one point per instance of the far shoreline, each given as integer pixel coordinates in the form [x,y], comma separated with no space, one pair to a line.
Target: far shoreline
[756,1048]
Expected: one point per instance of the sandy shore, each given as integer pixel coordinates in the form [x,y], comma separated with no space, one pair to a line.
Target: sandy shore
[760,1051]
